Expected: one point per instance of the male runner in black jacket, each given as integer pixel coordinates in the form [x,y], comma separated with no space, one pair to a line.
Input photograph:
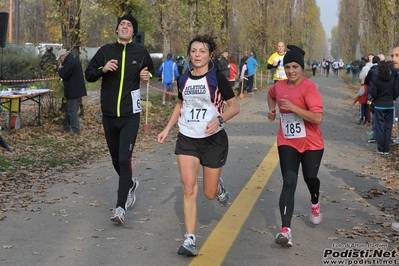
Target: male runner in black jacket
[121,65]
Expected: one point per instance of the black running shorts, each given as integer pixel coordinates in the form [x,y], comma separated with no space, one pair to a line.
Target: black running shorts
[211,151]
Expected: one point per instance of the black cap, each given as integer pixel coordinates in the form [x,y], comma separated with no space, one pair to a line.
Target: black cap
[295,55]
[132,20]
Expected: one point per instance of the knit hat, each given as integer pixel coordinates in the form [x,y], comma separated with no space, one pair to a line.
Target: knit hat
[132,20]
[295,55]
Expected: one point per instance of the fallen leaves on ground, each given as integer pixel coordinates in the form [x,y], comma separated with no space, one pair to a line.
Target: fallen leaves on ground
[40,154]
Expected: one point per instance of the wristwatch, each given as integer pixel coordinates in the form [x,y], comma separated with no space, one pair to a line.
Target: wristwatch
[221,120]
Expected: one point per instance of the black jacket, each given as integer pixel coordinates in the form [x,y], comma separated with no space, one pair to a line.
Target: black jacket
[116,99]
[224,66]
[371,75]
[384,92]
[71,73]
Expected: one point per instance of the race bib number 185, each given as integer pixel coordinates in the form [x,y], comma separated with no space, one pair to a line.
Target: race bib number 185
[292,126]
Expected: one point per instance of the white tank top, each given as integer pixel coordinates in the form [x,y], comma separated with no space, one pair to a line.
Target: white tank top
[197,109]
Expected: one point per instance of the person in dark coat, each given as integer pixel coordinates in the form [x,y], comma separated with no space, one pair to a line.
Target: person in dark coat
[384,91]
[121,65]
[71,72]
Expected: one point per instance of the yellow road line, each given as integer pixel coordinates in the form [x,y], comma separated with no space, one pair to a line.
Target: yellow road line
[222,237]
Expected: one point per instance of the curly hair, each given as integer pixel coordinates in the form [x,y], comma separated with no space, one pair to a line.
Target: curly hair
[206,39]
[383,70]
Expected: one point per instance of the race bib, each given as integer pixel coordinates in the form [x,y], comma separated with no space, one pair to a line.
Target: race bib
[292,126]
[136,101]
[197,112]
[280,73]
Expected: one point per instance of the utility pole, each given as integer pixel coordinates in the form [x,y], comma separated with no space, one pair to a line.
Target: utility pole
[10,23]
[16,21]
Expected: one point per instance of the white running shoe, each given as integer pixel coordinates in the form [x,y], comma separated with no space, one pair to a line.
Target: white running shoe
[188,248]
[131,196]
[224,196]
[118,215]
[284,237]
[315,216]
[396,141]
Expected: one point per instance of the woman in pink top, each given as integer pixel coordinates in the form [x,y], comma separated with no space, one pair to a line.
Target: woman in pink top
[299,139]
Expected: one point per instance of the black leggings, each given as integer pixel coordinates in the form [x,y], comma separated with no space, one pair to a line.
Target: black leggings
[121,133]
[290,159]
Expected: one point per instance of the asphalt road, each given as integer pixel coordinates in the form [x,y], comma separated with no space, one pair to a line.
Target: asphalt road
[72,226]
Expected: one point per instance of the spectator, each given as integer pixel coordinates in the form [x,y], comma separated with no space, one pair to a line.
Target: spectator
[243,73]
[348,69]
[371,75]
[48,62]
[395,68]
[180,63]
[341,67]
[71,72]
[216,61]
[224,63]
[121,65]
[355,67]
[169,72]
[362,98]
[365,69]
[233,71]
[252,64]
[384,91]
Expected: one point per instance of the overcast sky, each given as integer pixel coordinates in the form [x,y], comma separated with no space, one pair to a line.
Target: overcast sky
[328,14]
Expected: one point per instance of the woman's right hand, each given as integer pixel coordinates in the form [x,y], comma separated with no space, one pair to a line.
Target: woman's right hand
[271,115]
[162,136]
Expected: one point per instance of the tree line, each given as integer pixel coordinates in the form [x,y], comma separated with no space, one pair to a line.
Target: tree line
[365,26]
[241,27]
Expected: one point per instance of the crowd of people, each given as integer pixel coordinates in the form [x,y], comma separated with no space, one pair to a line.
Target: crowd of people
[378,98]
[378,113]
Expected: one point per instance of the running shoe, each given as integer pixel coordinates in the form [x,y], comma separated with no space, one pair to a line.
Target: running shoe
[118,215]
[224,196]
[372,140]
[188,248]
[395,226]
[284,237]
[131,196]
[396,141]
[315,215]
